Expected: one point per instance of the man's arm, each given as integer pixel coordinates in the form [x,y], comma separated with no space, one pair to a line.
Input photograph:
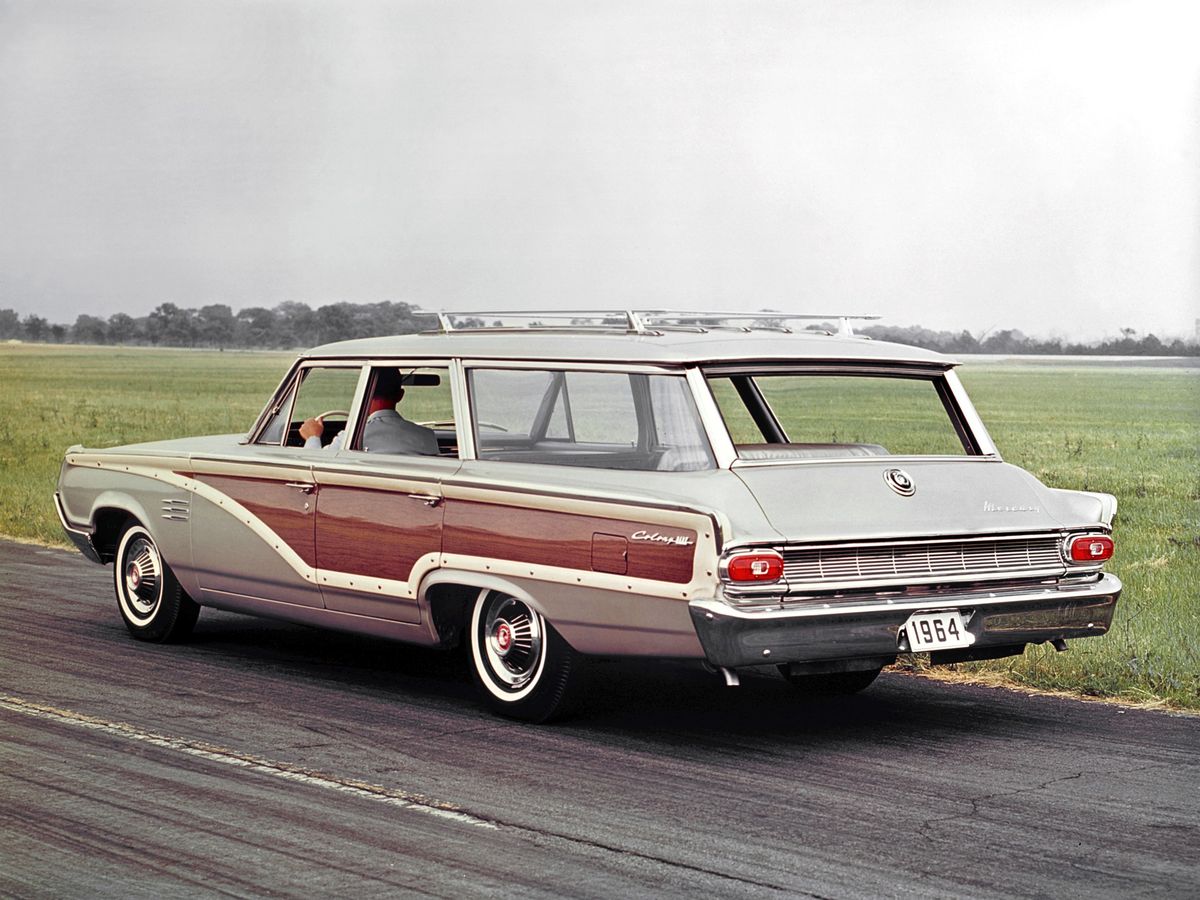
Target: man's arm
[311,430]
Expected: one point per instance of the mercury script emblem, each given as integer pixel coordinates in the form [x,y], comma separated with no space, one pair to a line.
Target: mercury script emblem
[898,481]
[654,537]
[989,506]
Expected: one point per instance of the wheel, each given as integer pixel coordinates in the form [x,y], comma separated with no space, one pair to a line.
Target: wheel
[831,684]
[520,663]
[152,603]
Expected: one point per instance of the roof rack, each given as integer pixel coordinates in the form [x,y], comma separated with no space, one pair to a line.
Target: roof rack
[636,321]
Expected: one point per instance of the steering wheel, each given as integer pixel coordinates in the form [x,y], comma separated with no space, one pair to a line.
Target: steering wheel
[345,414]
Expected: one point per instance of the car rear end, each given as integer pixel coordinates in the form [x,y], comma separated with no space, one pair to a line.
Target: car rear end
[894,526]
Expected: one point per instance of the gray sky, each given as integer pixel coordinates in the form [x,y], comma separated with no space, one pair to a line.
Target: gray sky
[998,163]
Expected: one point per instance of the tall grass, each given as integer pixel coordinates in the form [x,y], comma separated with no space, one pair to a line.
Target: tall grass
[1131,432]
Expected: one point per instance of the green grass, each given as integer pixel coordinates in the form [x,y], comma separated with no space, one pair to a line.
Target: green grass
[1131,432]
[55,396]
[1134,433]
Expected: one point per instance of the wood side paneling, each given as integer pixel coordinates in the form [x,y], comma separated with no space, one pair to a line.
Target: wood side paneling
[374,533]
[562,539]
[282,508]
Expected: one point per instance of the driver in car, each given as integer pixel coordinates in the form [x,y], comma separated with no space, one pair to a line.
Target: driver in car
[385,431]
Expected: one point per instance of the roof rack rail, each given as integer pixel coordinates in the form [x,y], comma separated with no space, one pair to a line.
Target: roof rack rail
[635,321]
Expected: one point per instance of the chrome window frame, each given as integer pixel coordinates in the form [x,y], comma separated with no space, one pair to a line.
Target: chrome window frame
[958,407]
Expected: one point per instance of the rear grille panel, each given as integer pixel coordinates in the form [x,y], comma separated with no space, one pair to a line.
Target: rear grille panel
[921,562]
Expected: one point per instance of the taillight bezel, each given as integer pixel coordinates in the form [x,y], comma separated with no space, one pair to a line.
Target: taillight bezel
[732,567]
[1071,541]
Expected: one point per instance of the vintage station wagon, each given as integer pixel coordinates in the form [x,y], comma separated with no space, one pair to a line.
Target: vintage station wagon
[715,487]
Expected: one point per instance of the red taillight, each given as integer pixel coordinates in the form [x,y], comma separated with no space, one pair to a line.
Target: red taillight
[1089,548]
[759,565]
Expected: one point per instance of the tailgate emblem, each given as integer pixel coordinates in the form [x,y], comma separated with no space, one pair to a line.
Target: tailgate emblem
[898,481]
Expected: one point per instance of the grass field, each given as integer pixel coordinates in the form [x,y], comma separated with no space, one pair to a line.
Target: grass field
[1133,432]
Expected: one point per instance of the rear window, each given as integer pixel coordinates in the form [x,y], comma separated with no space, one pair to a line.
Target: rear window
[797,416]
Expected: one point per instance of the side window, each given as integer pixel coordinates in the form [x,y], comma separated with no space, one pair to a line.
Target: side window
[325,393]
[609,420]
[507,402]
[601,407]
[408,410]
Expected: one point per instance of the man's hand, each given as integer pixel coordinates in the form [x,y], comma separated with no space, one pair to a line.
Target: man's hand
[312,428]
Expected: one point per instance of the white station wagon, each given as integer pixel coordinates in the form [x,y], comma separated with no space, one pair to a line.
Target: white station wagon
[714,487]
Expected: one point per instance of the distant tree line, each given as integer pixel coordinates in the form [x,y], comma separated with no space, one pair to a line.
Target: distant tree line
[1013,341]
[287,325]
[291,325]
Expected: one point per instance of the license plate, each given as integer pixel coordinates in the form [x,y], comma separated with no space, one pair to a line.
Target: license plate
[937,631]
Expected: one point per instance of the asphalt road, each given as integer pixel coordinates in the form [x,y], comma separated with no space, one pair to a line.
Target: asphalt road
[271,759]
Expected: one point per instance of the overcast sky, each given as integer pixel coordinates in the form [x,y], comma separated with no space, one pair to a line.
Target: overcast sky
[997,163]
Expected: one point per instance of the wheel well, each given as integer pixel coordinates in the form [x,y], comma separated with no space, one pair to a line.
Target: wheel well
[450,610]
[108,524]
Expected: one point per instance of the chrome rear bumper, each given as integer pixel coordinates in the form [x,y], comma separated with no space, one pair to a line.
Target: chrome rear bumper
[852,629]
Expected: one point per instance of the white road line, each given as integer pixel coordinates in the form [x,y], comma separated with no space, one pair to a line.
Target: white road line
[365,790]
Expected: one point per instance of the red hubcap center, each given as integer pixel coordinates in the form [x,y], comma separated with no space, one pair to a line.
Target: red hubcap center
[504,636]
[135,575]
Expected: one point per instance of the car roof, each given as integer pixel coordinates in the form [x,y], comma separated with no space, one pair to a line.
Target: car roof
[665,347]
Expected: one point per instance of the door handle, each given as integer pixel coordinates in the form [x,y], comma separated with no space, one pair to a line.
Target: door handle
[303,487]
[430,500]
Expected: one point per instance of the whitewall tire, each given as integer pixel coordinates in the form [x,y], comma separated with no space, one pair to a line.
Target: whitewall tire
[521,665]
[152,604]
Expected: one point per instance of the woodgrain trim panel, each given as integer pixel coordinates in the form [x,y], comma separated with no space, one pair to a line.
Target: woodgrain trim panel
[380,534]
[280,507]
[563,539]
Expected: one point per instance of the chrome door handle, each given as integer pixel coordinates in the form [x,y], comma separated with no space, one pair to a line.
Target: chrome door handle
[430,500]
[303,487]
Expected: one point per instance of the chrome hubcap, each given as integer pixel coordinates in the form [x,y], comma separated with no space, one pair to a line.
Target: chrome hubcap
[143,576]
[512,641]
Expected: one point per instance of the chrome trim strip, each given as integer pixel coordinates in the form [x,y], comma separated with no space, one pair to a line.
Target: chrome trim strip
[923,368]
[81,538]
[740,463]
[1106,586]
[1023,535]
[571,366]
[793,592]
[62,518]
